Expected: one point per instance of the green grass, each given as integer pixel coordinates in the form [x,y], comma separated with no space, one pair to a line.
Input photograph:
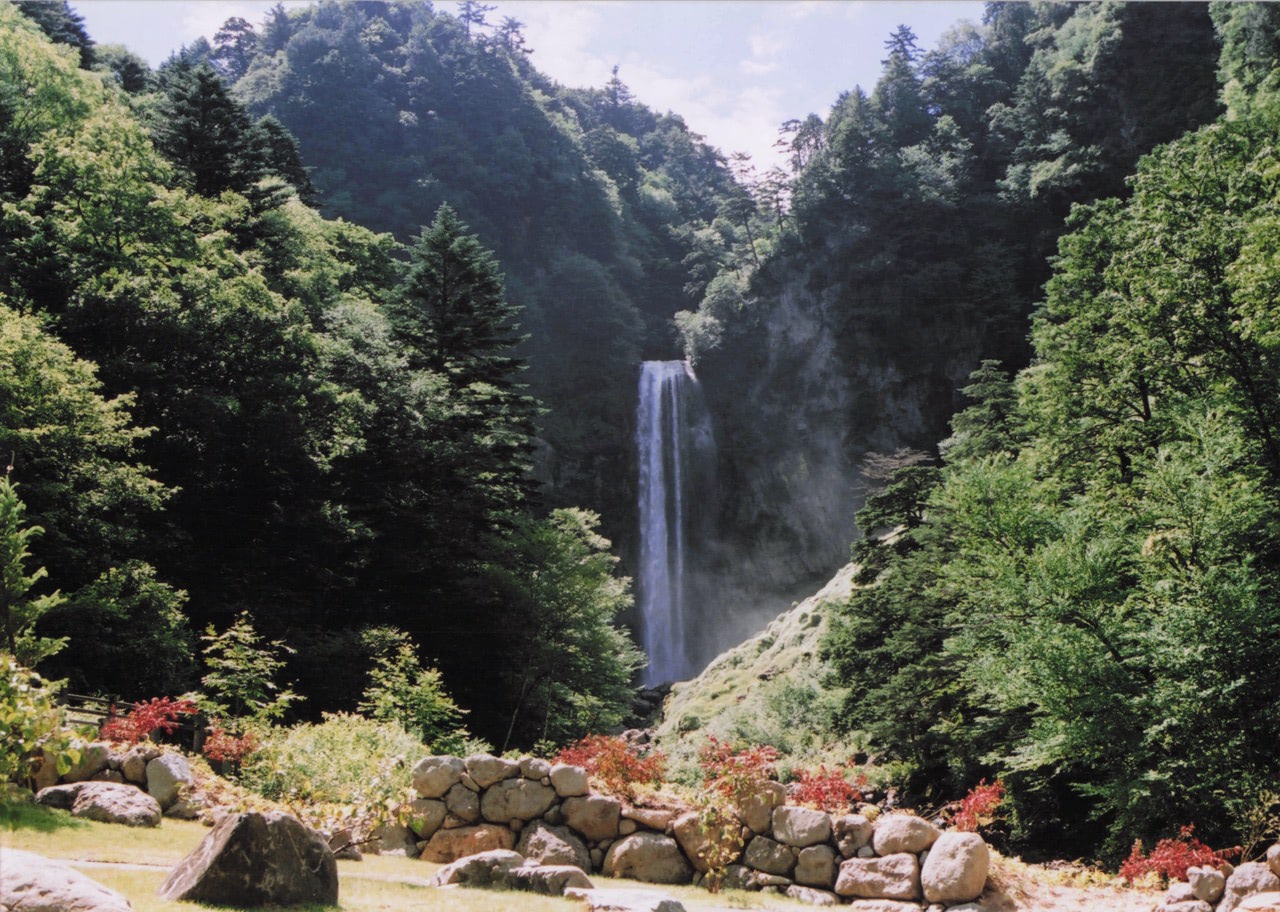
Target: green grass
[378,883]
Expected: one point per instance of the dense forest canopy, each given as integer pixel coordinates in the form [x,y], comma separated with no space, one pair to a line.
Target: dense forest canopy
[312,338]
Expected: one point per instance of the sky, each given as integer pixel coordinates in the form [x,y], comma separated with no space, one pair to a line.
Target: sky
[733,69]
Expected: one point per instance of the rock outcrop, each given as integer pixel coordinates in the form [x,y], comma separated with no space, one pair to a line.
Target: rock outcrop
[33,883]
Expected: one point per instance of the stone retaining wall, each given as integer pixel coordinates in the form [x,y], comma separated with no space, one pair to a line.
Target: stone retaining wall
[547,813]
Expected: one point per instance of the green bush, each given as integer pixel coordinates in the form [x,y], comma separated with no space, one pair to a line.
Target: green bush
[31,724]
[345,759]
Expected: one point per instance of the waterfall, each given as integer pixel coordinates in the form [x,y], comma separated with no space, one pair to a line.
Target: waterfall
[675,448]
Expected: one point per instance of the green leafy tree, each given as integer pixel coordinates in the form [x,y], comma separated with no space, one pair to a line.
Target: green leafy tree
[243,667]
[20,609]
[401,690]
[569,669]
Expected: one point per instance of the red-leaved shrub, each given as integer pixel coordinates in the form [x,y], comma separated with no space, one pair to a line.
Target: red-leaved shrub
[826,790]
[224,747]
[1171,857]
[978,808]
[617,766]
[157,714]
[733,773]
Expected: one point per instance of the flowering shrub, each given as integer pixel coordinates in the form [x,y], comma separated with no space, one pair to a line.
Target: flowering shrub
[157,714]
[1170,858]
[224,747]
[731,772]
[977,809]
[618,767]
[827,790]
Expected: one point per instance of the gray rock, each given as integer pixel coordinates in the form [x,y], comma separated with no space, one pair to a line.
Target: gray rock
[484,869]
[852,832]
[770,856]
[648,857]
[816,866]
[569,781]
[891,877]
[33,883]
[549,880]
[1207,883]
[425,816]
[188,807]
[1260,902]
[595,817]
[756,809]
[463,803]
[956,869]
[883,905]
[486,770]
[894,833]
[738,877]
[94,758]
[168,776]
[801,827]
[255,859]
[1246,880]
[1273,859]
[550,845]
[624,900]
[811,896]
[133,765]
[106,802]
[696,842]
[533,768]
[516,800]
[433,776]
[657,819]
[393,839]
[108,775]
[451,844]
[1189,905]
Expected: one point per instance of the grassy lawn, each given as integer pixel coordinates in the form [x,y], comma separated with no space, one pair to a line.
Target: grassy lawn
[375,884]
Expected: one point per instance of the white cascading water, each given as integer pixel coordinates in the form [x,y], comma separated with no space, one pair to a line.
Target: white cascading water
[673,432]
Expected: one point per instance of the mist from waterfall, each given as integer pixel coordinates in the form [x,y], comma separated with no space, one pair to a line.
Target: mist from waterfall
[676,449]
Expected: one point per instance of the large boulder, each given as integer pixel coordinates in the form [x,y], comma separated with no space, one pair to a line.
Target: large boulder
[256,859]
[106,802]
[450,845]
[535,768]
[648,857]
[516,800]
[1246,880]
[484,869]
[895,833]
[94,758]
[486,770]
[892,877]
[551,845]
[703,846]
[956,869]
[651,818]
[594,816]
[133,765]
[548,880]
[1207,883]
[433,776]
[770,856]
[393,839]
[757,806]
[569,781]
[801,827]
[1260,902]
[463,803]
[425,816]
[852,832]
[168,776]
[816,867]
[33,883]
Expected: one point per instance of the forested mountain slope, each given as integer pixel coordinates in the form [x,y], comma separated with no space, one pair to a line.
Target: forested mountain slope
[589,199]
[921,220]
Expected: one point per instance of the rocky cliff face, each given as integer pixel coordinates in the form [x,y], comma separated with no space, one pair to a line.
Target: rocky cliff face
[798,402]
